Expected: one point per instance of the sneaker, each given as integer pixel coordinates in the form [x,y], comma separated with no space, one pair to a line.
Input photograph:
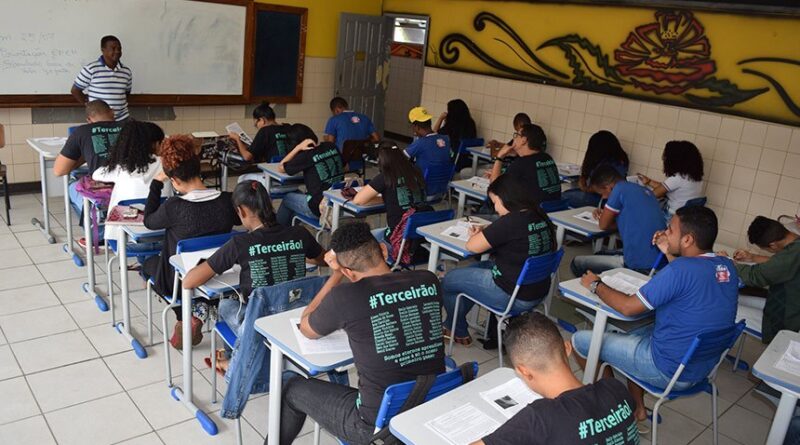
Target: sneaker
[177,334]
[82,243]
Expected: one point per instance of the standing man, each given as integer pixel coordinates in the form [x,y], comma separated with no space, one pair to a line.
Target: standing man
[106,79]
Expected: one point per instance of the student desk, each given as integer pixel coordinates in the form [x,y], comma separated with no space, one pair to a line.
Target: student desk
[271,170]
[572,290]
[565,220]
[568,172]
[787,383]
[410,427]
[466,188]
[339,202]
[214,288]
[90,286]
[135,233]
[477,153]
[47,149]
[282,342]
[433,234]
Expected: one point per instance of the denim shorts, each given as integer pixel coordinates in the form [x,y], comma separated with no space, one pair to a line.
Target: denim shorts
[630,353]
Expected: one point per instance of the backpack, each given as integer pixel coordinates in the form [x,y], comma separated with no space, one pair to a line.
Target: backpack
[411,253]
[100,193]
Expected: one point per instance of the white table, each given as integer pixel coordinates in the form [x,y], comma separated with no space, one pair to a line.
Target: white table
[568,172]
[787,383]
[339,202]
[466,188]
[565,220]
[433,234]
[477,153]
[273,174]
[212,289]
[574,291]
[278,333]
[135,233]
[47,149]
[410,427]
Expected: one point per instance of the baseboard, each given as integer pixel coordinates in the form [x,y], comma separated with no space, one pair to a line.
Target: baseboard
[397,137]
[21,188]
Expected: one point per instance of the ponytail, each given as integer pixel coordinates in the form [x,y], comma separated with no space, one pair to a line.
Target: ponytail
[254,196]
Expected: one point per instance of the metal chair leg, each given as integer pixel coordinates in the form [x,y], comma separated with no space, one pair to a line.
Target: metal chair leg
[714,410]
[149,312]
[453,327]
[214,367]
[654,436]
[738,353]
[8,200]
[499,338]
[110,284]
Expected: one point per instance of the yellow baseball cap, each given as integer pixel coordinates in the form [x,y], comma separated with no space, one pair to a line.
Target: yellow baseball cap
[419,114]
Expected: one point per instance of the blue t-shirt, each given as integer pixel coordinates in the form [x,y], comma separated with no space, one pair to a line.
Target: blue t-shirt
[433,149]
[690,295]
[639,216]
[348,126]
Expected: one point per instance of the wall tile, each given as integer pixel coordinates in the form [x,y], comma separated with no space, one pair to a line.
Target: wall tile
[784,207]
[754,133]
[732,220]
[738,200]
[772,161]
[716,194]
[19,116]
[648,114]
[547,95]
[595,104]
[778,137]
[709,125]
[19,133]
[721,173]
[572,139]
[591,123]
[731,128]
[562,99]
[760,205]
[667,117]
[626,131]
[794,143]
[22,154]
[575,120]
[578,101]
[766,183]
[749,155]
[24,172]
[559,118]
[612,106]
[743,178]
[630,111]
[791,166]
[688,121]
[788,188]
[609,123]
[644,135]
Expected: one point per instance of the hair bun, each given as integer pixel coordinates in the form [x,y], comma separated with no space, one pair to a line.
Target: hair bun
[177,149]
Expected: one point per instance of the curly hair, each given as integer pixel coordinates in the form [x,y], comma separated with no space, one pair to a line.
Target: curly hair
[603,148]
[180,158]
[683,158]
[135,147]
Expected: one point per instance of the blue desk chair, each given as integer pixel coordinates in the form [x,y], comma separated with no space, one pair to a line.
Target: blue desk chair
[187,245]
[535,269]
[555,205]
[437,181]
[313,222]
[410,231]
[713,344]
[396,395]
[696,202]
[466,143]
[749,331]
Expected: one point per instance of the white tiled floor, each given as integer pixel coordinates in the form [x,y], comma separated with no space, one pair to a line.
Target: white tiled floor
[66,377]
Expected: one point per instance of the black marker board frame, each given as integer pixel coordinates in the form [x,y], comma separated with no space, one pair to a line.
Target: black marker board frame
[278,53]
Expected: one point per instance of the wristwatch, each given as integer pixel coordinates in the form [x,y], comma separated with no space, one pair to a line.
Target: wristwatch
[593,286]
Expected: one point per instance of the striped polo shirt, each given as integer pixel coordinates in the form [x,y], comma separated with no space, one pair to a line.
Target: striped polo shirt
[98,81]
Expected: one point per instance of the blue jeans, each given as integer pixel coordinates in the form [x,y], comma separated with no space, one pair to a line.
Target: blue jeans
[793,434]
[232,313]
[630,353]
[293,204]
[578,198]
[477,282]
[601,262]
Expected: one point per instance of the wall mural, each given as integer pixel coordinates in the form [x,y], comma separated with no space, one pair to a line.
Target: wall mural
[669,59]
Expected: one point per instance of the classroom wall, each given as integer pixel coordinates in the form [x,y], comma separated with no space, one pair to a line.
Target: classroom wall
[751,167]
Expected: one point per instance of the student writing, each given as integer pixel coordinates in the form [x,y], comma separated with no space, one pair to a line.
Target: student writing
[683,167]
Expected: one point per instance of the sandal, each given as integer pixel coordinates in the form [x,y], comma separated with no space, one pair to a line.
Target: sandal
[221,359]
[463,341]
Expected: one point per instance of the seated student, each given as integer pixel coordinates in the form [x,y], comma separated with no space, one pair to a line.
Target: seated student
[523,230]
[268,254]
[683,167]
[603,149]
[520,119]
[347,125]
[132,165]
[385,350]
[535,167]
[269,141]
[429,148]
[321,166]
[457,124]
[197,211]
[779,272]
[89,143]
[634,211]
[401,184]
[539,356]
[695,293]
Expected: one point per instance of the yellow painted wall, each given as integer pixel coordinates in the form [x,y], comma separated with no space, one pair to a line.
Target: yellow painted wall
[323,20]
[733,39]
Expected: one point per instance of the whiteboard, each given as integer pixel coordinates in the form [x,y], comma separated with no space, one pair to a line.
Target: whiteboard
[172,46]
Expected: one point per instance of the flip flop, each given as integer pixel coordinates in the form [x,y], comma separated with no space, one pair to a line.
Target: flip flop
[220,371]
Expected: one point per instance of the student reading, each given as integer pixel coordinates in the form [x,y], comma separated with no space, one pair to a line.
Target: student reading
[271,139]
[393,322]
[568,411]
[695,293]
[268,253]
[779,272]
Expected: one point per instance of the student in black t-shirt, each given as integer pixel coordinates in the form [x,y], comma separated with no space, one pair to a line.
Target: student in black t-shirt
[321,165]
[401,184]
[523,230]
[532,164]
[268,254]
[568,412]
[89,143]
[197,211]
[270,141]
[393,322]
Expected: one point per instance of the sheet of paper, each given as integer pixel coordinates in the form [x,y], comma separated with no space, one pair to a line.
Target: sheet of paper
[335,342]
[54,142]
[587,217]
[624,283]
[510,397]
[479,182]
[236,128]
[192,259]
[463,425]
[205,134]
[568,169]
[458,232]
[790,360]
